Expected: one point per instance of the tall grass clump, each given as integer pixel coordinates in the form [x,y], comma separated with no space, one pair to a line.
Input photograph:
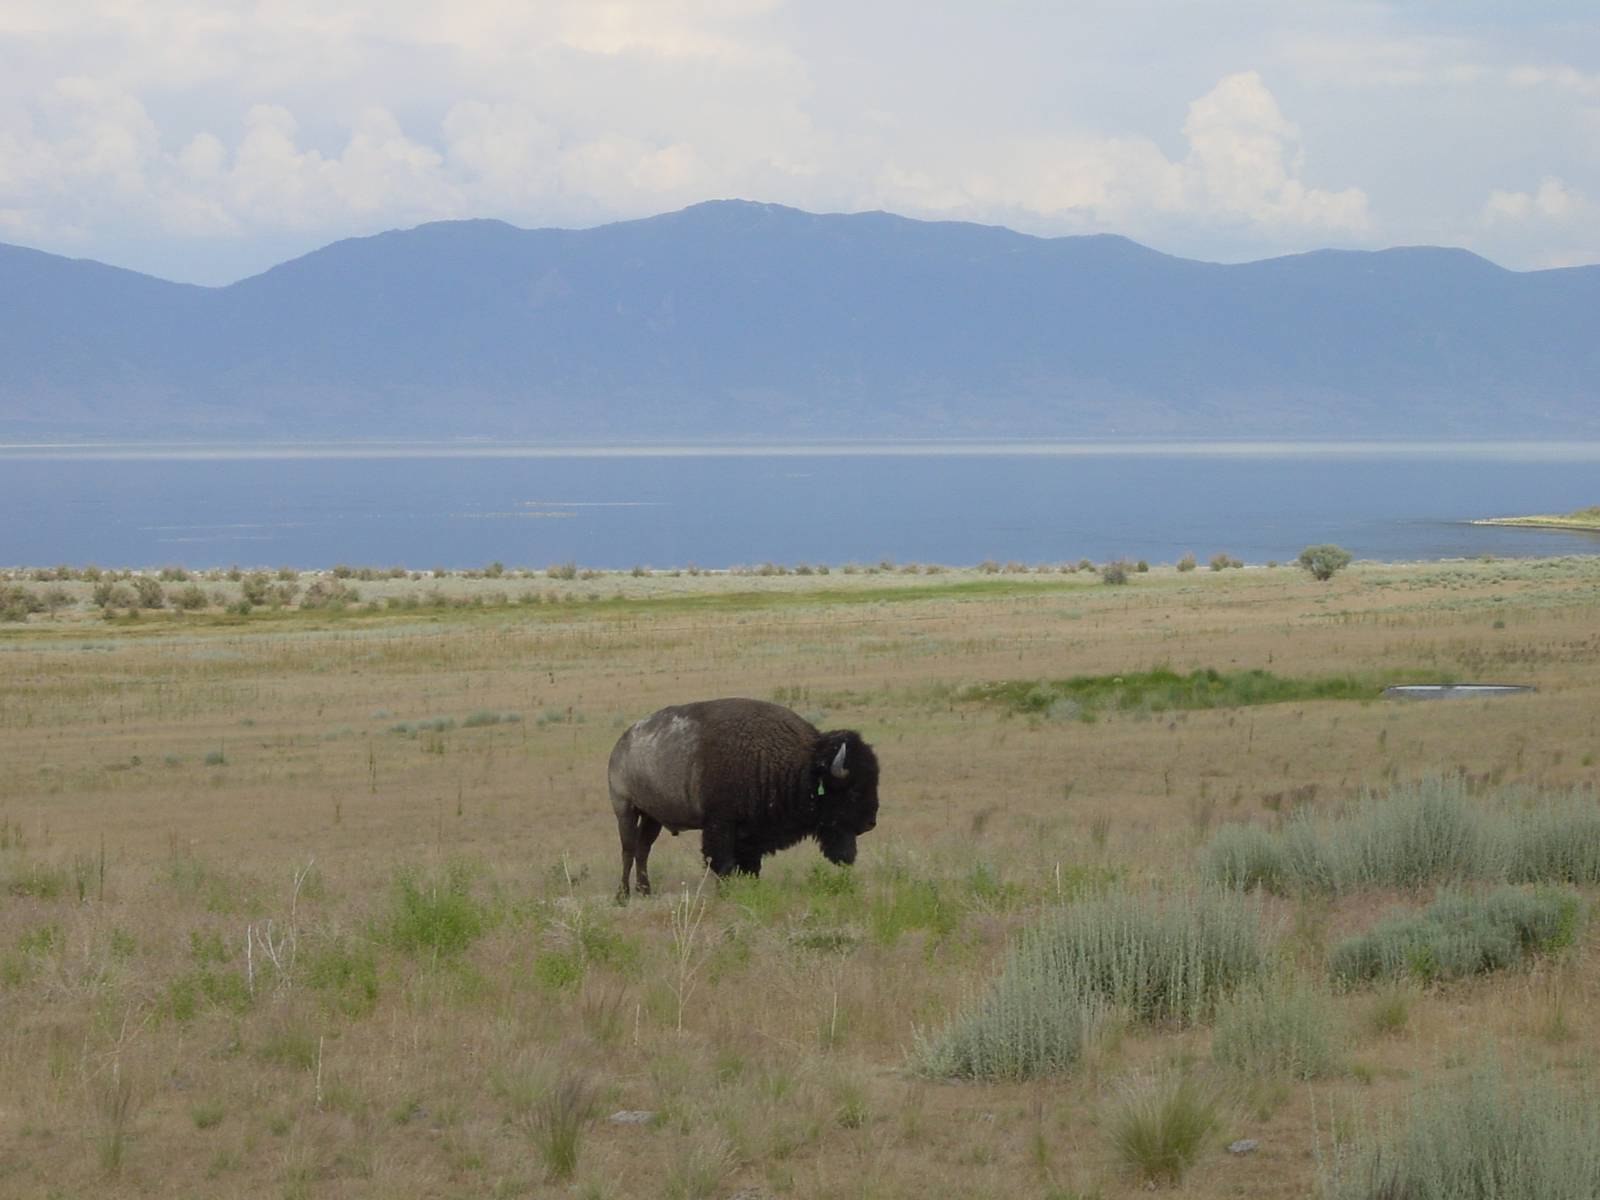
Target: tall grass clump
[1459,935]
[559,1120]
[1166,959]
[1413,836]
[1282,1028]
[1163,1124]
[1480,1139]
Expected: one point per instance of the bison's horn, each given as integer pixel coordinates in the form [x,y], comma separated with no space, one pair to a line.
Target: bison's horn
[837,770]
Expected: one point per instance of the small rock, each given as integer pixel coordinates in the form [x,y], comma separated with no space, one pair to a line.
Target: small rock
[1244,1146]
[631,1116]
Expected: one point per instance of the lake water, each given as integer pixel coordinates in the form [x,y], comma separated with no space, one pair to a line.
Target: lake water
[465,505]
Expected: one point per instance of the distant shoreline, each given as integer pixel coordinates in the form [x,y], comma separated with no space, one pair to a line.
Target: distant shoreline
[1088,447]
[1583,521]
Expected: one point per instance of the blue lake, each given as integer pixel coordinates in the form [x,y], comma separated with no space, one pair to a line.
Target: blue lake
[465,505]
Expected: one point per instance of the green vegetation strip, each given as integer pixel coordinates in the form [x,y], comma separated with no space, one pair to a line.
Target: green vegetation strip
[1163,690]
[534,605]
[1583,518]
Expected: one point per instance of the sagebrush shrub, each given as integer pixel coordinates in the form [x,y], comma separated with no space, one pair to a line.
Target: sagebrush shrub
[1155,958]
[1415,836]
[1480,1138]
[1460,935]
[1279,1028]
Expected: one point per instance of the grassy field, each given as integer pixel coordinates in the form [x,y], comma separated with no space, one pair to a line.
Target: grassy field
[319,902]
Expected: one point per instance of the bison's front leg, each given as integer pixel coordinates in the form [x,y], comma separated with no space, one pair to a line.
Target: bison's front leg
[719,844]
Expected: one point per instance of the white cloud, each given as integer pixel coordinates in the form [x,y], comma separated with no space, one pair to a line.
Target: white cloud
[1384,59]
[1243,165]
[1551,201]
[1564,78]
[1243,158]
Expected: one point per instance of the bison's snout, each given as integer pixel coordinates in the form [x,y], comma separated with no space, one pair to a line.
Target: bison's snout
[871,824]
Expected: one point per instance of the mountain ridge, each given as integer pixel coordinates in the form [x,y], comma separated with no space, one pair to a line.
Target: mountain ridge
[736,319]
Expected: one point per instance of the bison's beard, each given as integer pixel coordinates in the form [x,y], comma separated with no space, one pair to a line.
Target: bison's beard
[838,845]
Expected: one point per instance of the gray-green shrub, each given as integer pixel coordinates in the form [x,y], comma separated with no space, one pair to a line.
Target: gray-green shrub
[1419,835]
[1029,1023]
[1480,1139]
[1279,1028]
[1245,856]
[1416,835]
[1160,958]
[1459,935]
[1155,958]
[1556,841]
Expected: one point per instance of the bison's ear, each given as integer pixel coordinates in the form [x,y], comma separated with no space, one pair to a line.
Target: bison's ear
[837,769]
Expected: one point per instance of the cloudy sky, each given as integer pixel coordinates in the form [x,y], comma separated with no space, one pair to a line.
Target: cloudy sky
[205,140]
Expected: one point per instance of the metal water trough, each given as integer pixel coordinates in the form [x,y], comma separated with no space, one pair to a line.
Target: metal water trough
[1455,691]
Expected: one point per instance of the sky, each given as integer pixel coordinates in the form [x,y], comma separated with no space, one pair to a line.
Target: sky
[206,140]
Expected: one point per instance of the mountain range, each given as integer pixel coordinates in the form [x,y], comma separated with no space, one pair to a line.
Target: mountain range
[733,320]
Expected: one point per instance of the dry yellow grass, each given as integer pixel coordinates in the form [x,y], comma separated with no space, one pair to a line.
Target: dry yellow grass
[149,1046]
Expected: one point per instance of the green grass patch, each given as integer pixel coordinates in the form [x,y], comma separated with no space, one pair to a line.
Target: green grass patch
[1162,690]
[558,970]
[192,992]
[437,915]
[344,973]
[905,905]
[289,1045]
[42,881]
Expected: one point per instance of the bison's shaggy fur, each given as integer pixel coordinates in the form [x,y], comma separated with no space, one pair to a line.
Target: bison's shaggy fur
[753,777]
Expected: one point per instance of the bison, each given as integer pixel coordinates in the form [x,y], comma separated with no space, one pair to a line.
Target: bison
[753,777]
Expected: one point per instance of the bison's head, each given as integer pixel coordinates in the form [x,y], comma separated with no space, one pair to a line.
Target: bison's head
[846,771]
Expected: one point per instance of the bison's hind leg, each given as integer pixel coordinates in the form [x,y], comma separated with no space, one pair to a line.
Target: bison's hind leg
[629,821]
[628,832]
[649,830]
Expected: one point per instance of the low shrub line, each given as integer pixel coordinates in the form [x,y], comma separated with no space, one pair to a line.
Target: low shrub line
[1415,836]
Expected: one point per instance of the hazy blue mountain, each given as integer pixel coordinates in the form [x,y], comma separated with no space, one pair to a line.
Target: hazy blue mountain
[740,320]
